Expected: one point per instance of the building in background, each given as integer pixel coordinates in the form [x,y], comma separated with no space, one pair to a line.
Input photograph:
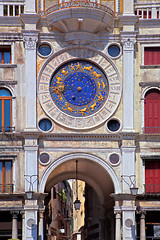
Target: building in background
[59,212]
[79,81]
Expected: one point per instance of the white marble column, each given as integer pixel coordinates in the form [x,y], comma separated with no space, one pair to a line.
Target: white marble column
[117,225]
[23,224]
[142,226]
[30,39]
[41,225]
[14,225]
[128,41]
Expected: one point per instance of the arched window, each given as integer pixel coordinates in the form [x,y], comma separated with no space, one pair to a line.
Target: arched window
[5,110]
[152,112]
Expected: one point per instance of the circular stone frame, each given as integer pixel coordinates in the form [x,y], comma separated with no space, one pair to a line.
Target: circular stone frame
[43,118]
[118,120]
[45,164]
[76,53]
[44,43]
[116,164]
[117,45]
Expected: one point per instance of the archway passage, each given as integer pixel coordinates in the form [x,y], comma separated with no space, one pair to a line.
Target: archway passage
[152,113]
[100,185]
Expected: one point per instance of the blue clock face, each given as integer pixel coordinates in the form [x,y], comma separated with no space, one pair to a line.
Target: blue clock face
[79,88]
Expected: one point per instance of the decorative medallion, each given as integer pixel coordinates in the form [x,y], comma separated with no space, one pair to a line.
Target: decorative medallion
[78,93]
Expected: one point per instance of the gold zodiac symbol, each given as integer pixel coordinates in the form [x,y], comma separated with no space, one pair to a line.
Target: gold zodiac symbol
[82,111]
[87,68]
[78,66]
[93,106]
[68,108]
[100,97]
[96,74]
[72,67]
[103,85]
[58,80]
[64,71]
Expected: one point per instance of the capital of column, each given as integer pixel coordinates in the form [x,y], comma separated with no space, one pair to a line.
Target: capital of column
[41,214]
[14,214]
[128,40]
[30,39]
[128,44]
[142,213]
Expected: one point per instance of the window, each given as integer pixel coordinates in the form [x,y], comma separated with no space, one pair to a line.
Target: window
[5,54]
[152,56]
[151,112]
[44,50]
[5,111]
[113,125]
[152,176]
[114,50]
[45,125]
[6,176]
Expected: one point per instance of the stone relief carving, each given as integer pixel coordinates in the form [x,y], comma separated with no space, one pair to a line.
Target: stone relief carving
[128,44]
[30,42]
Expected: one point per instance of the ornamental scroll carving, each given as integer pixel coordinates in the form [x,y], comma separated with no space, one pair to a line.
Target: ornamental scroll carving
[128,44]
[30,42]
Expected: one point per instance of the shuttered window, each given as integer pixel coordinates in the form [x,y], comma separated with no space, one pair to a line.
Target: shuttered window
[152,56]
[5,111]
[152,112]
[152,176]
[6,176]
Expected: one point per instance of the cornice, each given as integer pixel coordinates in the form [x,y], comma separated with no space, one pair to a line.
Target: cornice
[8,82]
[30,18]
[149,84]
[148,23]
[128,19]
[80,137]
[10,21]
[9,37]
[148,38]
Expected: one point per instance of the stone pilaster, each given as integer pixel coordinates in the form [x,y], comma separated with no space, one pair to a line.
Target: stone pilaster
[128,42]
[117,213]
[41,226]
[30,39]
[128,161]
[128,221]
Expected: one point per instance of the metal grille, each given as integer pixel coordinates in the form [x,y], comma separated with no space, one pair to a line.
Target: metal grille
[151,130]
[152,188]
[6,188]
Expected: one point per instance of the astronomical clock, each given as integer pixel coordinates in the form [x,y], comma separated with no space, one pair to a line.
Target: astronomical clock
[79,93]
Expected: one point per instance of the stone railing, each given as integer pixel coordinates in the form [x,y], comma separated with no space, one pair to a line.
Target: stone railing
[148,11]
[11,8]
[77,4]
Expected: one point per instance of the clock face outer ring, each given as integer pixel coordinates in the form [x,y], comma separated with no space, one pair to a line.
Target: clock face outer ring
[63,113]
